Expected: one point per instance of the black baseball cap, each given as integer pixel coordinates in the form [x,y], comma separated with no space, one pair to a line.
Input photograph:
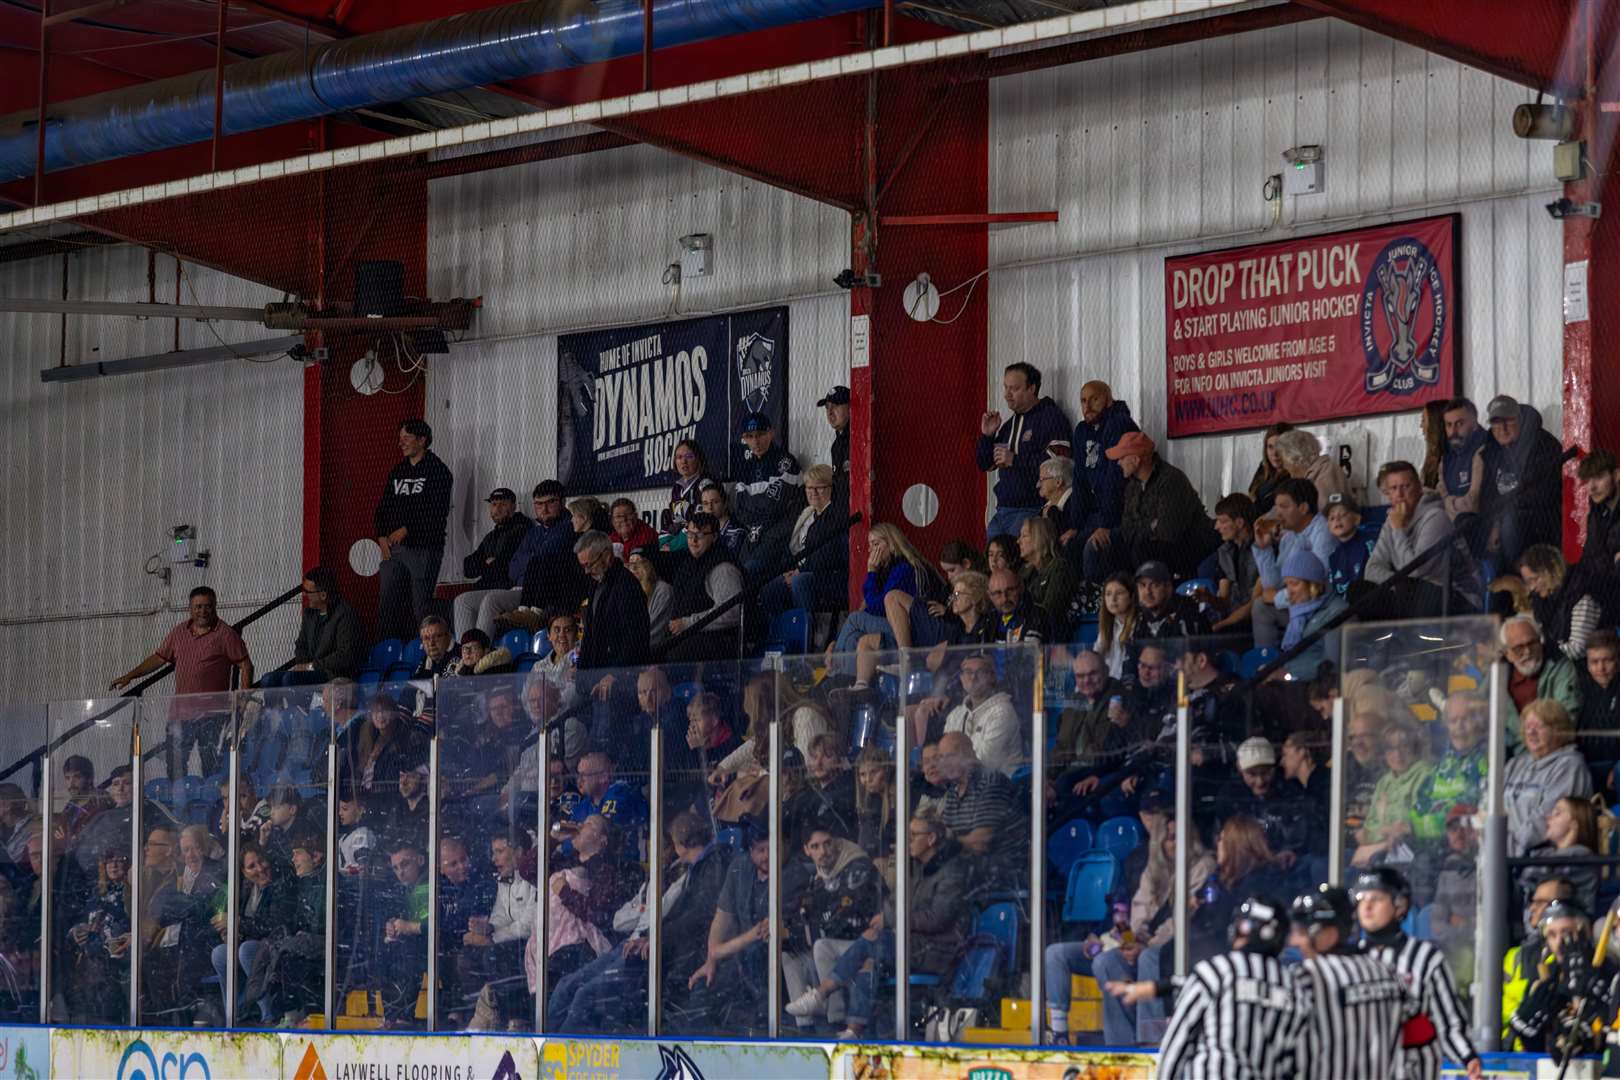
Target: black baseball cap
[838,395]
[502,493]
[1153,570]
[755,422]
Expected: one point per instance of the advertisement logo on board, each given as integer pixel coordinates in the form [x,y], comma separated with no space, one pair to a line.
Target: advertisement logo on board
[140,1063]
[1403,318]
[310,1067]
[676,1064]
[754,356]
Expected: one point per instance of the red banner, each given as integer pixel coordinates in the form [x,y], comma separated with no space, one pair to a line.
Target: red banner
[1343,324]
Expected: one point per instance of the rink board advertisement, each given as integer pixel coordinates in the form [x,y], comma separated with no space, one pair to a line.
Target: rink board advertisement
[650,1059]
[154,1054]
[1318,328]
[627,395]
[409,1057]
[967,1063]
[25,1054]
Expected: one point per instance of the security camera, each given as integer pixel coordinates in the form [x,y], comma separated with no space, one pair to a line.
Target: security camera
[1553,122]
[1567,208]
[847,279]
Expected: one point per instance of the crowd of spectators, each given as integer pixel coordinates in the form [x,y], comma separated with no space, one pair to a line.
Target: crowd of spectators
[1100,554]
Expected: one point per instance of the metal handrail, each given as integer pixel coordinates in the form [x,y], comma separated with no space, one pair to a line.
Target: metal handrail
[128,696]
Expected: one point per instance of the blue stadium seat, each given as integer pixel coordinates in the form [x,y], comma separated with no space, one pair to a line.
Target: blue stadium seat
[1119,837]
[540,644]
[385,652]
[515,642]
[1091,879]
[791,631]
[526,664]
[412,653]
[685,692]
[1068,844]
[369,677]
[159,791]
[1227,661]
[1255,659]
[729,836]
[1192,585]
[1085,631]
[400,672]
[1000,921]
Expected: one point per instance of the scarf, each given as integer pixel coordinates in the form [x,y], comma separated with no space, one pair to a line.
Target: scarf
[1299,615]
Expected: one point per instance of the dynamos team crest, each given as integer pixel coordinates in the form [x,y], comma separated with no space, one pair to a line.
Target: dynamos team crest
[1404,311]
[755,354]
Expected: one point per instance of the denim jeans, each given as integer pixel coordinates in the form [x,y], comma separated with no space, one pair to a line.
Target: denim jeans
[1009,519]
[245,952]
[1064,960]
[1119,1019]
[857,625]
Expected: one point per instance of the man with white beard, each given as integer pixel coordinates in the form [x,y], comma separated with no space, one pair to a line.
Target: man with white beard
[1531,674]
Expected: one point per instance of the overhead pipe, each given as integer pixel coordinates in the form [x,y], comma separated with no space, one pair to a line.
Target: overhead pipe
[463,51]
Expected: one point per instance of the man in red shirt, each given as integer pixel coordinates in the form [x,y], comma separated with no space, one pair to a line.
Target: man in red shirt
[203,650]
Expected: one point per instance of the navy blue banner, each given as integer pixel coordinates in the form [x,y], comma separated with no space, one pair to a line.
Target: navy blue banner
[627,395]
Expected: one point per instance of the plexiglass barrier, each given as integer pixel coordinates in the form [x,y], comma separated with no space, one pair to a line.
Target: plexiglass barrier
[906,844]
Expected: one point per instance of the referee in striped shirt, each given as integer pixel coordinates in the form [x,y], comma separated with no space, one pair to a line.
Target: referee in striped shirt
[1382,898]
[1355,1007]
[1238,1016]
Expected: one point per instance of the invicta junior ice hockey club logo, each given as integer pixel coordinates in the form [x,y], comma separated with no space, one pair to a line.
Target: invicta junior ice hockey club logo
[1404,311]
[755,356]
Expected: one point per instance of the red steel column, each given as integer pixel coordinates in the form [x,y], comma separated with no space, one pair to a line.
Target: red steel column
[1591,381]
[914,411]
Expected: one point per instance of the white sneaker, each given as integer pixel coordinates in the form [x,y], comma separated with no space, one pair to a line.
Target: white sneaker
[808,1003]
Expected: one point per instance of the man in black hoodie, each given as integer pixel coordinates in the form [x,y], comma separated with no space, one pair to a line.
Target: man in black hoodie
[1015,448]
[615,633]
[487,564]
[410,525]
[1522,492]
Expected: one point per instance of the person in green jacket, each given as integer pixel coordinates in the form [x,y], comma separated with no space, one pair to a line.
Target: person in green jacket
[1458,776]
[1389,818]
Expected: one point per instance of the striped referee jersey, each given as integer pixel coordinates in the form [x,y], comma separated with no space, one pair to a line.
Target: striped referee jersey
[1355,1011]
[1421,968]
[1238,1017]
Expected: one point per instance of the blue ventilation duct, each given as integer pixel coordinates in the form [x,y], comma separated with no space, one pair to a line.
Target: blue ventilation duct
[463,51]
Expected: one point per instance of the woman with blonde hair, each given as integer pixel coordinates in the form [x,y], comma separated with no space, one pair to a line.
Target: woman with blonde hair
[874,806]
[1048,576]
[893,565]
[1547,769]
[766,697]
[1565,600]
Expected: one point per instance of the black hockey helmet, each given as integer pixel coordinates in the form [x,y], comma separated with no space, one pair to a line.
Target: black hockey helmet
[1325,905]
[1262,923]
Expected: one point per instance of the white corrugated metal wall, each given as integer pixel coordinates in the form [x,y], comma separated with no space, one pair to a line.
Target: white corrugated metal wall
[98,471]
[578,242]
[1164,152]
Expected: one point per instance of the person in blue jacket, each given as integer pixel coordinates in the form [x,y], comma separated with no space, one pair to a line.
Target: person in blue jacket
[1354,543]
[1014,448]
[1103,422]
[1311,605]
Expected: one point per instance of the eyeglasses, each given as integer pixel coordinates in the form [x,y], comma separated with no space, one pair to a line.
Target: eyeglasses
[818,487]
